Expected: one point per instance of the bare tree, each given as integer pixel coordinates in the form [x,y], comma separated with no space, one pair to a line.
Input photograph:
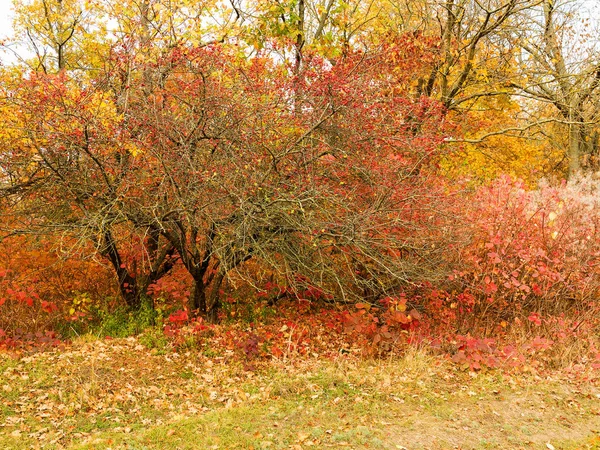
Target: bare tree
[337,195]
[474,52]
[61,34]
[561,67]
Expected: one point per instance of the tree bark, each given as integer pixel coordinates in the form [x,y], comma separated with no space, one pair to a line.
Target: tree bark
[127,283]
[197,301]
[212,314]
[574,148]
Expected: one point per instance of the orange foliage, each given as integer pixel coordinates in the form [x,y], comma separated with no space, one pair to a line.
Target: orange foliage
[39,286]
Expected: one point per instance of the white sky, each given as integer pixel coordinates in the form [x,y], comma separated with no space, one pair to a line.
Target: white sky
[5,17]
[6,27]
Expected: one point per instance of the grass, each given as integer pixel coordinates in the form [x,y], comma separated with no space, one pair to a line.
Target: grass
[116,323]
[123,394]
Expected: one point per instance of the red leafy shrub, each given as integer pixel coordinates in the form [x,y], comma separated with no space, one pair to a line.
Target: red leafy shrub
[171,290]
[525,273]
[531,253]
[280,332]
[38,287]
[21,339]
[380,328]
[473,353]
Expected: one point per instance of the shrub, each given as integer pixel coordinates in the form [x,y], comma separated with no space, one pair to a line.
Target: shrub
[529,251]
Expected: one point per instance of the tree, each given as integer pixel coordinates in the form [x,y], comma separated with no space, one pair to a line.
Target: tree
[468,60]
[84,40]
[222,164]
[62,34]
[495,141]
[472,53]
[559,69]
[243,175]
[65,170]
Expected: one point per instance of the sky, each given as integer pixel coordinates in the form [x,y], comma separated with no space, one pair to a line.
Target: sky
[5,17]
[6,26]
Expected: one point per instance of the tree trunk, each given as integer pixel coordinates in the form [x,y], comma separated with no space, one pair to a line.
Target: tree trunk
[130,293]
[134,289]
[197,300]
[215,301]
[298,57]
[127,283]
[574,148]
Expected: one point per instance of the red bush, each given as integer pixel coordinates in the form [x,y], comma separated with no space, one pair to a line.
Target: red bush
[523,255]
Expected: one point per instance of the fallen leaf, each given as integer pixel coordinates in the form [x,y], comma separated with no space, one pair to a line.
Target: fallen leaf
[302,436]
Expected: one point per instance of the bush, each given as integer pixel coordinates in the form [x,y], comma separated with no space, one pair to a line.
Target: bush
[528,251]
[40,288]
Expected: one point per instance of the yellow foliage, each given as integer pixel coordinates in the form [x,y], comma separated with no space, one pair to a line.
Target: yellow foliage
[65,34]
[526,155]
[528,160]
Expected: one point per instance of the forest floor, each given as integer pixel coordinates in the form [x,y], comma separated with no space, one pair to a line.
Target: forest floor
[121,394]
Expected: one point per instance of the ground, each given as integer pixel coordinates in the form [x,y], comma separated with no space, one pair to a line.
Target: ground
[123,394]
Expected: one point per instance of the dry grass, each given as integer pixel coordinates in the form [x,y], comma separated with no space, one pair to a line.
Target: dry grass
[119,394]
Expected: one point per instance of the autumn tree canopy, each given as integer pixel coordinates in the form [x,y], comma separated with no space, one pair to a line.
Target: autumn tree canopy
[322,143]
